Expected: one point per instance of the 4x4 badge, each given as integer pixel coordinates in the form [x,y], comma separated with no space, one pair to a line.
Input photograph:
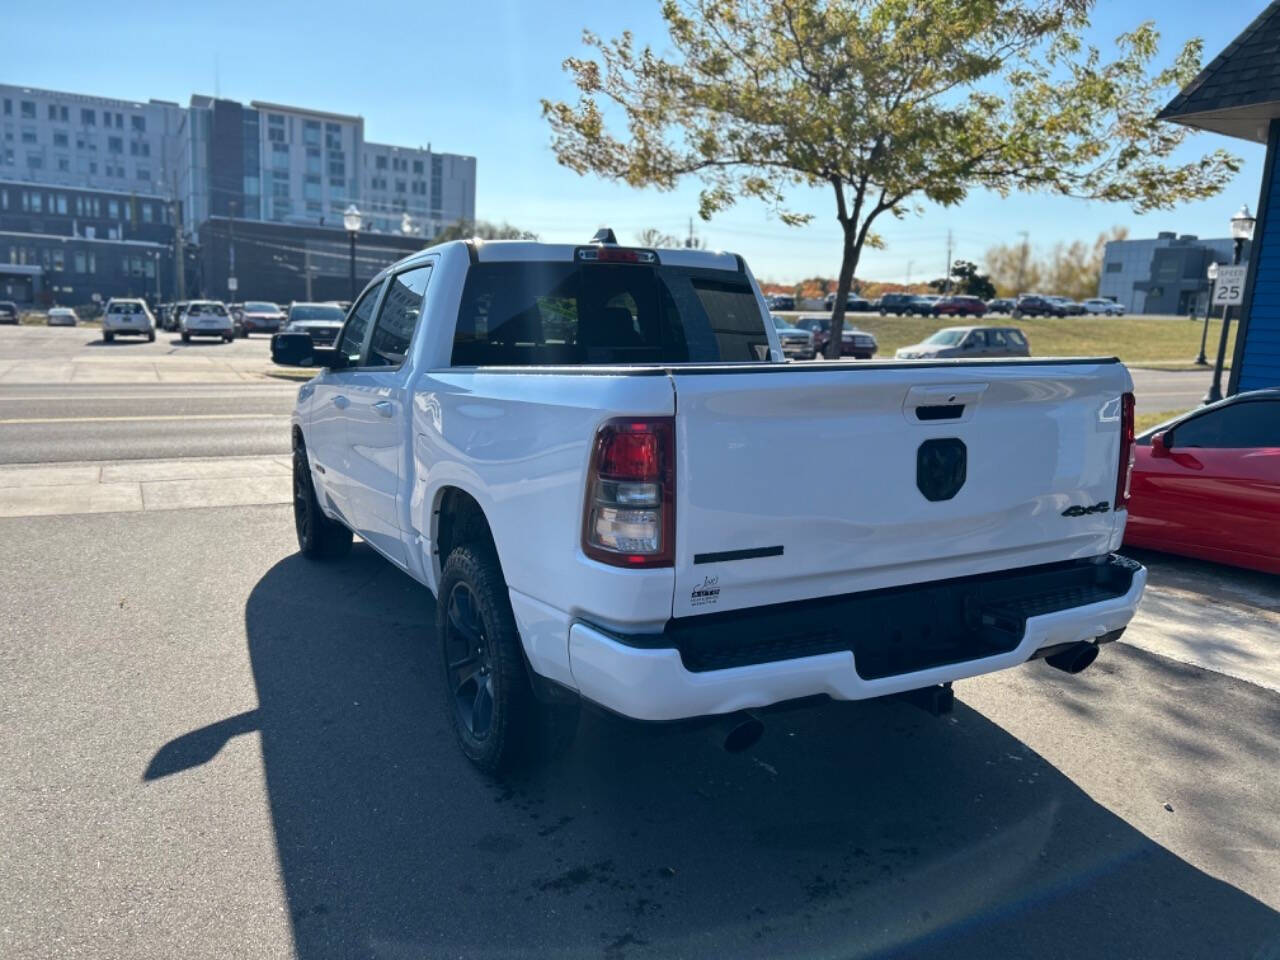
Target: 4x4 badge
[1101,506]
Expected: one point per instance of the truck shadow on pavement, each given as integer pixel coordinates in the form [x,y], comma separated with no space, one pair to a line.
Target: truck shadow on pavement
[850,830]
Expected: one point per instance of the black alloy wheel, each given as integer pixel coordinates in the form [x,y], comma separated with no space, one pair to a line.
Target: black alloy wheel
[468,663]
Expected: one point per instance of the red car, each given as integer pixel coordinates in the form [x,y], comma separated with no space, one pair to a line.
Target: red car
[959,306]
[1207,485]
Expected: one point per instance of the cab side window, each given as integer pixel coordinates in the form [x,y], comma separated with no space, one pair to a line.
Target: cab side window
[398,318]
[357,325]
[1253,423]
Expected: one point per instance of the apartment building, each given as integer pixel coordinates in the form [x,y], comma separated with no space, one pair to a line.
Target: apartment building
[103,171]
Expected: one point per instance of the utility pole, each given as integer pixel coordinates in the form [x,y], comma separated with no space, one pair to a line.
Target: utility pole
[1022,260]
[947,279]
[180,253]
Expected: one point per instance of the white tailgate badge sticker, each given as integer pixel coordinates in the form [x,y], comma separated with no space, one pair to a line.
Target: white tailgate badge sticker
[706,593]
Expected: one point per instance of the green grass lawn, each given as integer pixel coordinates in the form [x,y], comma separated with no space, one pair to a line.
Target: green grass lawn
[1160,341]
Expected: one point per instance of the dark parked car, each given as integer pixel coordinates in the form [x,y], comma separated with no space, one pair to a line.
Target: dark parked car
[895,303]
[323,321]
[1034,305]
[852,304]
[920,305]
[959,306]
[1069,306]
[1003,305]
[8,311]
[780,301]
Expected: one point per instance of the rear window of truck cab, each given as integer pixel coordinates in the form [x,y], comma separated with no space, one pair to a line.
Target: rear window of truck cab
[531,313]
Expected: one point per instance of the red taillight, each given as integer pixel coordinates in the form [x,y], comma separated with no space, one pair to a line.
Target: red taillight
[629,516]
[603,254]
[1125,475]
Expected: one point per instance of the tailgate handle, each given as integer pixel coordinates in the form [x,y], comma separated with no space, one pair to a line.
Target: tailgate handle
[933,402]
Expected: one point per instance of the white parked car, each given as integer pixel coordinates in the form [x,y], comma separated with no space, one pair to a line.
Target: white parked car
[579,450]
[1102,305]
[206,318]
[127,316]
[60,317]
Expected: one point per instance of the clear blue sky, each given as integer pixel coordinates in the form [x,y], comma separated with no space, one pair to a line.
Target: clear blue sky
[467,77]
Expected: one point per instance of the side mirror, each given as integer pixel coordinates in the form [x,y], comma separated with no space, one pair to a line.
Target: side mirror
[293,350]
[1162,443]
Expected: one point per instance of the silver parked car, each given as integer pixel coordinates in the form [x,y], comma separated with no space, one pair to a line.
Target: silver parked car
[796,344]
[969,342]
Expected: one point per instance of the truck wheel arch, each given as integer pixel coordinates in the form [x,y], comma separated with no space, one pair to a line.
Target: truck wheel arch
[459,519]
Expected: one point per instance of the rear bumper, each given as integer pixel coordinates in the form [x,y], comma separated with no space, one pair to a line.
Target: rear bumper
[657,683]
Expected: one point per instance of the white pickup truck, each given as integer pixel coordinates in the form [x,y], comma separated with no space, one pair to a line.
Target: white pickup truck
[621,493]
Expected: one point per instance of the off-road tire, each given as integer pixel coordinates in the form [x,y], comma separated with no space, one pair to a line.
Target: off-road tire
[521,730]
[318,537]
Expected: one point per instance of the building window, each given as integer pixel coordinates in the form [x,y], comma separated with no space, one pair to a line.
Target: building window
[119,121]
[138,123]
[337,183]
[417,167]
[37,202]
[115,145]
[280,156]
[59,204]
[28,135]
[144,174]
[4,199]
[275,128]
[28,110]
[280,189]
[1115,267]
[337,166]
[60,139]
[113,209]
[332,136]
[311,188]
[311,132]
[58,262]
[313,160]
[400,186]
[64,164]
[53,112]
[380,163]
[79,262]
[93,167]
[8,112]
[148,214]
[35,161]
[88,118]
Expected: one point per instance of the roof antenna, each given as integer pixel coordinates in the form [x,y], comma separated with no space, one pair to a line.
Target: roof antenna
[604,235]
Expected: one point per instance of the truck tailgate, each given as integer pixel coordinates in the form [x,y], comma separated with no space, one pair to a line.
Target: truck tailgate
[807,481]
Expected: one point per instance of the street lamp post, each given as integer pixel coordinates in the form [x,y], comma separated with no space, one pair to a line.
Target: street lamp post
[351,218]
[1241,230]
[1212,273]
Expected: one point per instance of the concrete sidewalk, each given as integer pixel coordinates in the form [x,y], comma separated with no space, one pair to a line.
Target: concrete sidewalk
[28,490]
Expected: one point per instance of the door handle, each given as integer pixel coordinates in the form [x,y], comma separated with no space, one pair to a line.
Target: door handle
[384,408]
[341,402]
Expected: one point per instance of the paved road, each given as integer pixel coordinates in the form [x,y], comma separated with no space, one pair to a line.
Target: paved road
[1158,391]
[31,342]
[215,748]
[77,422]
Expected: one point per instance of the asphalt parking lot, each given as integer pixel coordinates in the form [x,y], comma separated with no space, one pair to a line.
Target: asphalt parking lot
[213,747]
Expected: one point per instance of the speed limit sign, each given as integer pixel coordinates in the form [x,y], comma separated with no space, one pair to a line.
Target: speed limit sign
[1228,289]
